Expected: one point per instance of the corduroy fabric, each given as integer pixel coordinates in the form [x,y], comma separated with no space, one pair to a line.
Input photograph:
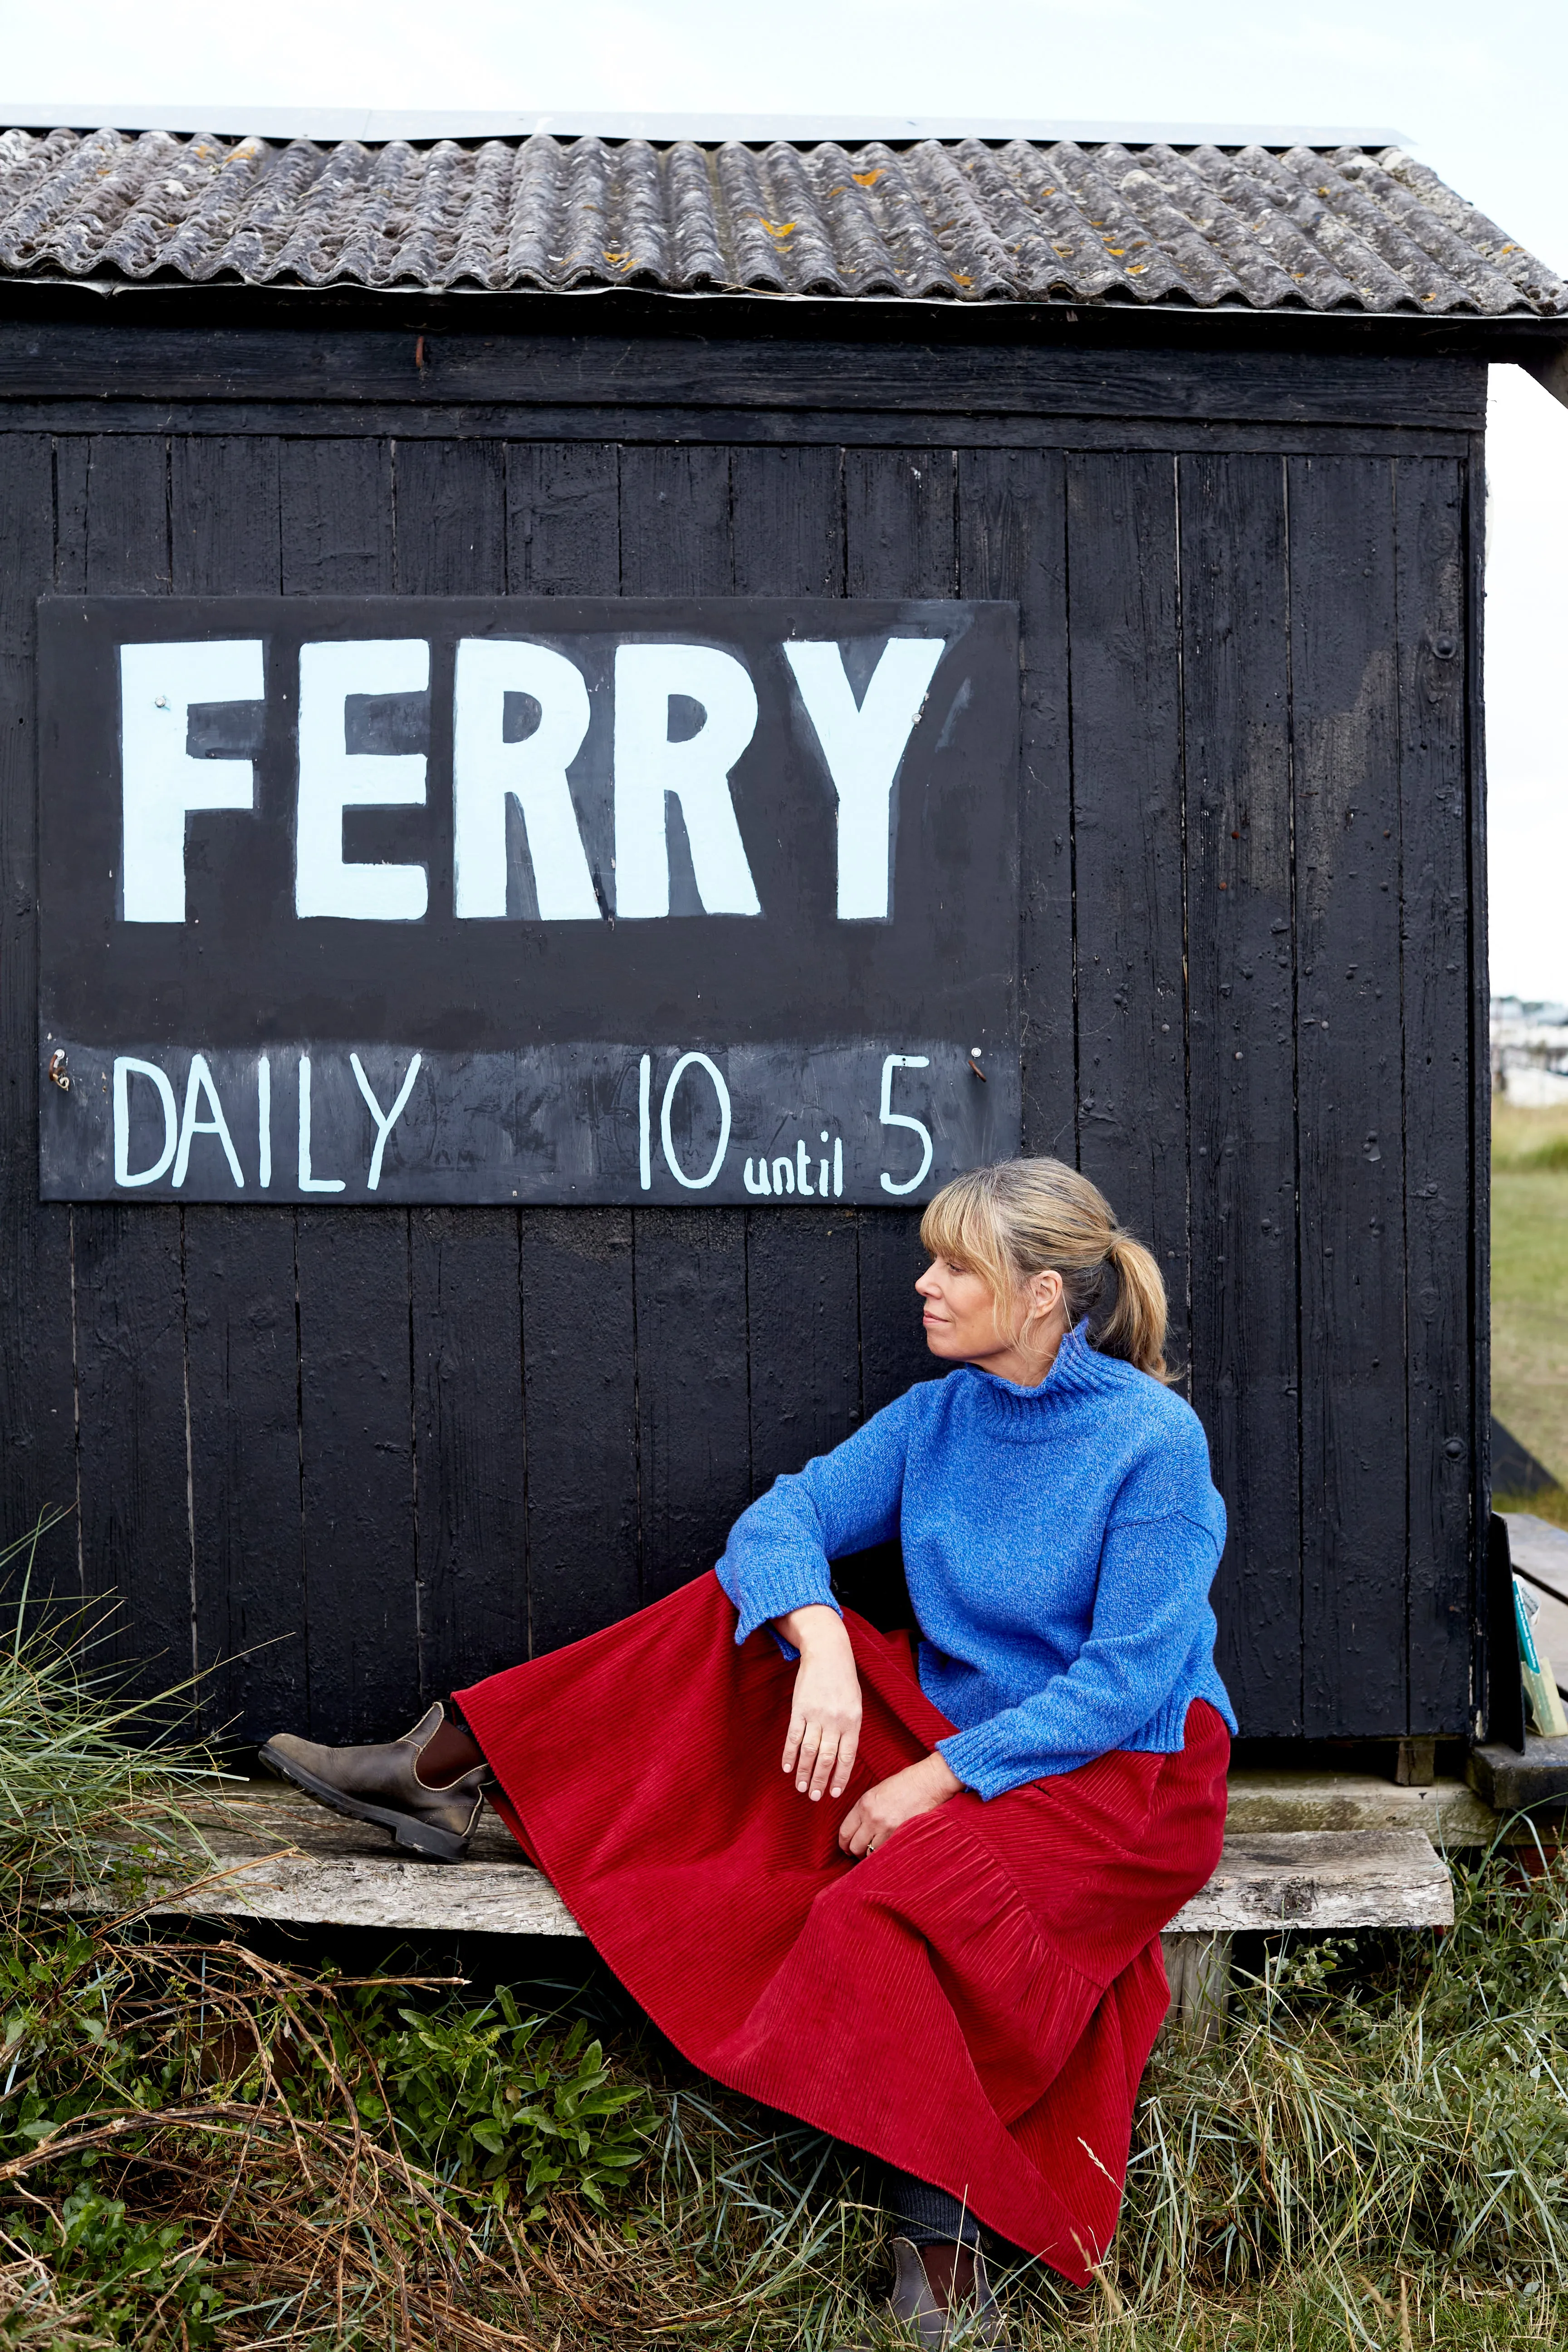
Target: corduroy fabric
[974,2003]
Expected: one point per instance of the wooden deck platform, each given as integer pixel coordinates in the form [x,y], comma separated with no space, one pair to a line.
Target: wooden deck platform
[280,1858]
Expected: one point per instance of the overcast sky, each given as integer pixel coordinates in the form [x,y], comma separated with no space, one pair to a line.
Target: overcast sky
[1477,91]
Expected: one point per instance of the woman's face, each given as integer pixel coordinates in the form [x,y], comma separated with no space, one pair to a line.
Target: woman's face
[960,1317]
[963,1327]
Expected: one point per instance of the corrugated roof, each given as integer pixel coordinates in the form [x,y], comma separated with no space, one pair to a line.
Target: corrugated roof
[1342,229]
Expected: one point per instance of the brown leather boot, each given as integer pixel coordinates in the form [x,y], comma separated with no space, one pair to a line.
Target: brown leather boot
[965,2313]
[380,1784]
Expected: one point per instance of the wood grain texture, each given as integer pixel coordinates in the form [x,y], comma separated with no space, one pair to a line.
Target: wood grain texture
[356,1406]
[131,1401]
[803,1272]
[241,1337]
[901,526]
[579,1342]
[755,425]
[803,1321]
[465,1303]
[1129,855]
[1240,929]
[1487,1670]
[582,1541]
[889,372]
[563,519]
[1344,679]
[693,1422]
[1012,526]
[37,1404]
[663,1373]
[357,1473]
[1433,827]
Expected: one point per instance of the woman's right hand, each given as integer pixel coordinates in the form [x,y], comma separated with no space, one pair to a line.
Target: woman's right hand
[825,1714]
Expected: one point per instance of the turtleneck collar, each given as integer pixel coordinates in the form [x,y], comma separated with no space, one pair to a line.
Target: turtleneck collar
[1079,1371]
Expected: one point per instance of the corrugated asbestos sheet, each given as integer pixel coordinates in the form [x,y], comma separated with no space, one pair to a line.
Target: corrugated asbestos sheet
[960,220]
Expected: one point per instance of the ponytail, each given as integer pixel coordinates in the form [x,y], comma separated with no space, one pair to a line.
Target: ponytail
[1135,1327]
[1025,1217]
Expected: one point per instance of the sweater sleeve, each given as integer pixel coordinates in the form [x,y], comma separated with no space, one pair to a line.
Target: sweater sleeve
[777,1556]
[1150,1611]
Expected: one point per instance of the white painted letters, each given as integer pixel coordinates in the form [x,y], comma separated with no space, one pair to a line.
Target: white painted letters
[198,1082]
[384,1120]
[127,1067]
[695,1183]
[161,783]
[891,1118]
[863,745]
[697,772]
[333,779]
[486,769]
[308,1182]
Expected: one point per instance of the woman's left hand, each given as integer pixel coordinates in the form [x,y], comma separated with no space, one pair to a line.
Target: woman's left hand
[917,1788]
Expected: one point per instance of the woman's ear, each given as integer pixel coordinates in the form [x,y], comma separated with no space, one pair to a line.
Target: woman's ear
[1047,1290]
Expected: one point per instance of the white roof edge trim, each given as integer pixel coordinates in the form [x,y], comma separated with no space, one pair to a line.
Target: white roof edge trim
[371,124]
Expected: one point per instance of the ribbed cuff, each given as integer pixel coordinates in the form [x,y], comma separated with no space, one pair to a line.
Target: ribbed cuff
[988,1765]
[763,1598]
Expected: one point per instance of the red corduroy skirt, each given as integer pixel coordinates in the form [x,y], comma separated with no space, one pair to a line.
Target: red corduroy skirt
[973,2004]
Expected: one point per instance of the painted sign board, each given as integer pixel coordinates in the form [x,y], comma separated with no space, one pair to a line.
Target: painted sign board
[403,899]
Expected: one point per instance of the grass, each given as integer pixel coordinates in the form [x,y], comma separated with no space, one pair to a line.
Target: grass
[203,2146]
[1530,1292]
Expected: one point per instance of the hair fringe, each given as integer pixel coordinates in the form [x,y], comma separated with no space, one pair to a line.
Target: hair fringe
[1022,1217]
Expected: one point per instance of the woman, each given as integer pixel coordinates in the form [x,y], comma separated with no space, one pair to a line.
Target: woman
[935,1932]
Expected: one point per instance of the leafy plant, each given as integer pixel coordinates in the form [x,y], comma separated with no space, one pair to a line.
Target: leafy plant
[481,2095]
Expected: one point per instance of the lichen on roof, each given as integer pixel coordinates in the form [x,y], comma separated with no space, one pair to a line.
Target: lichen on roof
[963,220]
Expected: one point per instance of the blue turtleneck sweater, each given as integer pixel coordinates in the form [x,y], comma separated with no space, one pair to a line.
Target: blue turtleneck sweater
[1058,1543]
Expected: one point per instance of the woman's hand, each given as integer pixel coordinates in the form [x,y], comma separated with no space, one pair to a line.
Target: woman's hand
[824,1717]
[917,1788]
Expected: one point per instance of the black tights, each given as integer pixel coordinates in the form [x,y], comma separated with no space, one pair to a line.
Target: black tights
[927,2216]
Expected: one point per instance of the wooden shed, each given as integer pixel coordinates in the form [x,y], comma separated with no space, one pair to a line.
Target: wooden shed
[1167,458]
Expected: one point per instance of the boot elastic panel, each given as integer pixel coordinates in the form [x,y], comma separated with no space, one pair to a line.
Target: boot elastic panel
[379,1784]
[977,2321]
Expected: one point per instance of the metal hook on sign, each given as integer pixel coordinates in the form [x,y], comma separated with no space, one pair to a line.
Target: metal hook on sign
[58,1070]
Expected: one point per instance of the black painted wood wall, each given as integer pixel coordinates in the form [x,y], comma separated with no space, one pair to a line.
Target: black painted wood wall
[352,1456]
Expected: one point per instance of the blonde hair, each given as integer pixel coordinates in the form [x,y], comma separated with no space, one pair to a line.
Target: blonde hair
[1023,1217]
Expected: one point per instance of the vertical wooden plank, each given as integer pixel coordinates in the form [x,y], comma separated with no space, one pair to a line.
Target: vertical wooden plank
[465,1306]
[130,1306]
[1344,701]
[579,1390]
[38,1400]
[803,1277]
[1486,1665]
[1012,544]
[900,540]
[1429,495]
[579,1343]
[563,520]
[693,1416]
[787,519]
[357,1473]
[1128,852]
[356,1435]
[693,1431]
[241,1336]
[1241,994]
[899,522]
[337,517]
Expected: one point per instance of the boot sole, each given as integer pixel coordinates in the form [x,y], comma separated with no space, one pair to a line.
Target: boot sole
[420,1837]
